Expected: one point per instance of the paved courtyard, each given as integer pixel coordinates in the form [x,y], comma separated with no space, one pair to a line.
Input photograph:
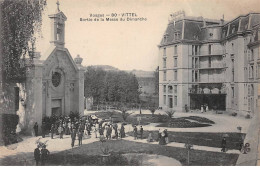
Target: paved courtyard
[23,151]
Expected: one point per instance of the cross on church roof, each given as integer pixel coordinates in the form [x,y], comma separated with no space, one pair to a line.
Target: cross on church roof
[58,4]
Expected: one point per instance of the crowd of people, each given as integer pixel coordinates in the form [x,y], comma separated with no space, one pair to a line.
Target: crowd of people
[162,137]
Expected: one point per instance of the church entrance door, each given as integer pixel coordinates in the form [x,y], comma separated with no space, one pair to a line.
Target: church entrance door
[56,107]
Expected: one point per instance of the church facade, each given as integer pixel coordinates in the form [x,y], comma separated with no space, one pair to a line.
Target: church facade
[54,86]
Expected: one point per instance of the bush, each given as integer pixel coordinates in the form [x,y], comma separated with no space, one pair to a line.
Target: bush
[248,116]
[152,110]
[234,114]
[170,113]
[10,122]
[74,115]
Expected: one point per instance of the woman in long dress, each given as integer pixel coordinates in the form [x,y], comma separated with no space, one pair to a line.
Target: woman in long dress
[122,131]
[162,139]
[86,131]
[150,138]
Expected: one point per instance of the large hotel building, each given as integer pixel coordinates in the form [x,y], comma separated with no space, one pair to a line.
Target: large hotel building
[210,62]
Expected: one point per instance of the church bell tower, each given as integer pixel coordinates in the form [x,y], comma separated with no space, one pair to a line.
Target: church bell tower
[58,27]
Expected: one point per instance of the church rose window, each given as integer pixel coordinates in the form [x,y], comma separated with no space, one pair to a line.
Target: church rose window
[56,78]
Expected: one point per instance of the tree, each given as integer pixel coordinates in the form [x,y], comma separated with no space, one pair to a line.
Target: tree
[21,19]
[170,113]
[111,86]
[124,113]
[152,109]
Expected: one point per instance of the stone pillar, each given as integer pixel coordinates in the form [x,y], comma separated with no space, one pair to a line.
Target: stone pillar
[81,92]
[67,98]
[48,99]
[34,96]
[80,84]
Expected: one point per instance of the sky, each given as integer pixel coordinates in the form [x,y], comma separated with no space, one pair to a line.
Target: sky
[133,44]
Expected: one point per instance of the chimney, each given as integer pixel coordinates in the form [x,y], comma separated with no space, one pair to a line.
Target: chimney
[204,22]
[222,20]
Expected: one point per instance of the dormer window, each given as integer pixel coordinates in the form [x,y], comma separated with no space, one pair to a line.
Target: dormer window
[165,37]
[233,29]
[177,35]
[224,33]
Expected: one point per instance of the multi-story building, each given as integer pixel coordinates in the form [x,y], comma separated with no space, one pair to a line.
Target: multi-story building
[210,62]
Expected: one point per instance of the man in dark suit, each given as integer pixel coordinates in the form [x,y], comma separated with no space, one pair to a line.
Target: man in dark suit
[43,129]
[80,135]
[37,155]
[52,130]
[73,137]
[35,127]
[44,154]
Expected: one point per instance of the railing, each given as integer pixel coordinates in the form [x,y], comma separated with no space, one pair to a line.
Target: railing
[212,66]
[208,53]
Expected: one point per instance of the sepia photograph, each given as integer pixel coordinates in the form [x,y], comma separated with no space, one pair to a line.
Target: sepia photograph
[129,83]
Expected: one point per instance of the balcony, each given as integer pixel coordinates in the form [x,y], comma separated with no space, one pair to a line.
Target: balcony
[209,66]
[208,53]
[211,89]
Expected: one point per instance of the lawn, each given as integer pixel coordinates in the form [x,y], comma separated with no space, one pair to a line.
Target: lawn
[201,139]
[90,154]
[164,120]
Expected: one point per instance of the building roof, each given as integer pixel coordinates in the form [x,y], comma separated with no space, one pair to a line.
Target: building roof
[199,29]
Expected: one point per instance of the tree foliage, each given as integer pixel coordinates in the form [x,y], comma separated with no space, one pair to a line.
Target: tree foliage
[111,86]
[20,20]
[170,113]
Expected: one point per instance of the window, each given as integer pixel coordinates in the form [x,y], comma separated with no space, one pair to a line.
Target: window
[16,99]
[164,51]
[177,35]
[175,101]
[192,62]
[56,79]
[164,99]
[170,89]
[252,54]
[233,75]
[233,29]
[164,62]
[196,76]
[175,75]
[224,34]
[251,71]
[170,102]
[233,71]
[209,61]
[193,76]
[249,90]
[164,88]
[164,75]
[233,92]
[258,70]
[252,90]
[175,50]
[210,49]
[195,49]
[175,89]
[165,38]
[175,62]
[196,63]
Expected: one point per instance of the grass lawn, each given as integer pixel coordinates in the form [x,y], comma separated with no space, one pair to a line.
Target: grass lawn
[182,122]
[90,154]
[202,139]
